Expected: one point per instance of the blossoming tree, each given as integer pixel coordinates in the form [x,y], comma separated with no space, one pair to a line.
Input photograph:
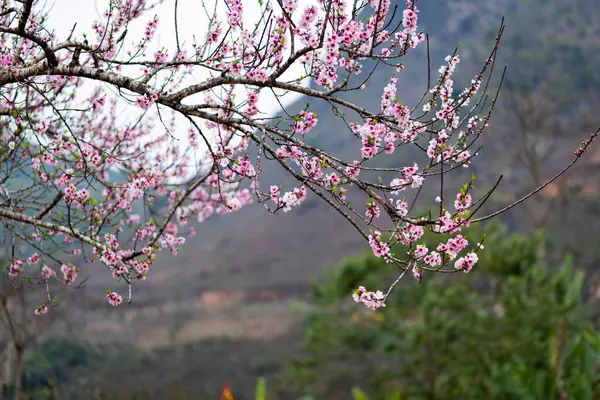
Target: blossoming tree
[89,173]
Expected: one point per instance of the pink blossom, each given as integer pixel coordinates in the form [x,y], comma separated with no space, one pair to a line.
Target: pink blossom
[114,299]
[421,251]
[433,259]
[41,309]
[69,273]
[417,181]
[15,268]
[305,122]
[466,263]
[416,271]
[373,210]
[402,208]
[47,272]
[379,248]
[462,202]
[33,259]
[160,56]
[373,300]
[97,104]
[6,60]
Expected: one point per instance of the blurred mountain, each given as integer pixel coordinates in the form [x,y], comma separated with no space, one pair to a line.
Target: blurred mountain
[252,249]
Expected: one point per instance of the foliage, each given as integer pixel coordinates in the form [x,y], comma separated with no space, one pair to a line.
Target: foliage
[76,369]
[449,329]
[514,332]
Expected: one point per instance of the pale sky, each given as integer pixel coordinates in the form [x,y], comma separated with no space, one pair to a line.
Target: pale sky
[191,20]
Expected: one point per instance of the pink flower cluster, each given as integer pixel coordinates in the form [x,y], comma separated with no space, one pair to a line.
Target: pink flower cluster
[392,107]
[33,259]
[149,32]
[41,309]
[251,106]
[97,104]
[373,210]
[462,202]
[114,299]
[47,272]
[234,13]
[373,300]
[244,168]
[379,247]
[289,199]
[161,56]
[305,122]
[449,225]
[75,197]
[6,60]
[215,174]
[407,177]
[146,101]
[466,263]
[69,273]
[433,259]
[372,134]
[416,271]
[15,268]
[214,34]
[409,233]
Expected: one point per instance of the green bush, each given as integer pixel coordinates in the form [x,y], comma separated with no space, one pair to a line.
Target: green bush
[510,331]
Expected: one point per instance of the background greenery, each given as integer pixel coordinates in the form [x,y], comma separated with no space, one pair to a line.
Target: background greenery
[508,330]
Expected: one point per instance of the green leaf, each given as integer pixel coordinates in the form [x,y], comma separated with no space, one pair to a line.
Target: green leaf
[574,289]
[592,337]
[358,394]
[261,389]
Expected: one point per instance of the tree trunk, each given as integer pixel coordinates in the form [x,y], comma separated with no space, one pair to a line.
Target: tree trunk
[14,352]
[5,392]
[17,366]
[12,370]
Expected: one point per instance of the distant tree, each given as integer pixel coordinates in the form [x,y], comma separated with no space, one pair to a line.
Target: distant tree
[549,96]
[21,329]
[513,331]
